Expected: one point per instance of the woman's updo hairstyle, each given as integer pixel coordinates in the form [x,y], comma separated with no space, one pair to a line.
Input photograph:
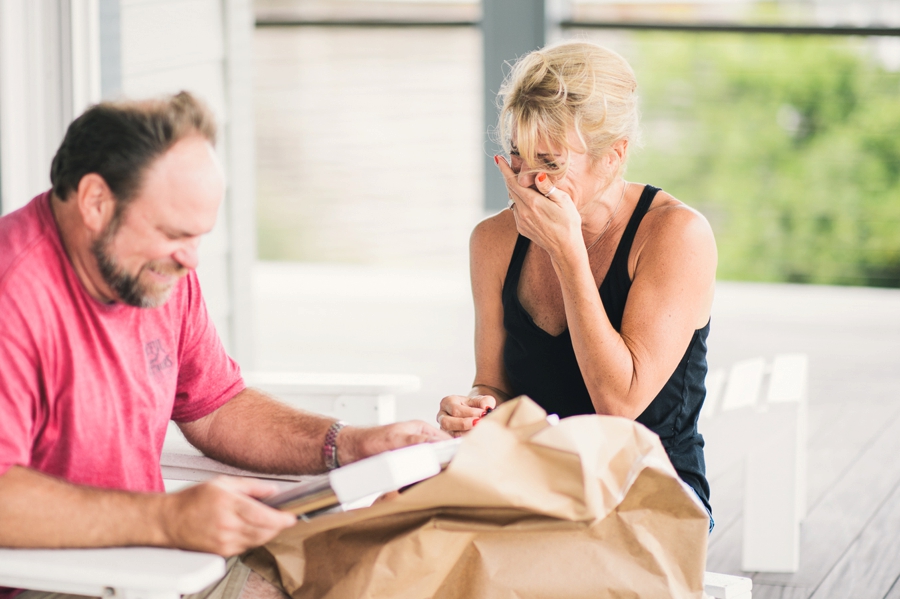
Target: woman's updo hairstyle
[572,85]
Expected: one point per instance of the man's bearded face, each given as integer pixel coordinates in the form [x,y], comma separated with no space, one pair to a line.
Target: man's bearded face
[150,287]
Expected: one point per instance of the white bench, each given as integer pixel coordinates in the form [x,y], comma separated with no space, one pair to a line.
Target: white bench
[757,412]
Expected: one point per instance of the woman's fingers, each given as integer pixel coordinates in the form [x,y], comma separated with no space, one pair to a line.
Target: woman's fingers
[517,193]
[547,189]
[454,425]
[458,406]
[482,402]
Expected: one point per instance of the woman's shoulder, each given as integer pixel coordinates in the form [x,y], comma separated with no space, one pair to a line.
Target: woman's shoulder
[672,229]
[492,242]
[495,232]
[670,217]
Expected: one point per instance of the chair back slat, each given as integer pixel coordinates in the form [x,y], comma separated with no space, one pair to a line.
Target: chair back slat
[789,376]
[744,384]
[715,383]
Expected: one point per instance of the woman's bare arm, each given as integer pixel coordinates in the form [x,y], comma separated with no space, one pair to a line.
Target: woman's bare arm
[670,297]
[490,250]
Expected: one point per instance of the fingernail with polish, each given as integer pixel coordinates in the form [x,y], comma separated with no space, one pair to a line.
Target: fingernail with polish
[496,159]
[542,177]
[485,413]
[474,422]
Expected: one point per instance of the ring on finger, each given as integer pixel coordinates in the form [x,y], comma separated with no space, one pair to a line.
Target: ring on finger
[549,191]
[510,204]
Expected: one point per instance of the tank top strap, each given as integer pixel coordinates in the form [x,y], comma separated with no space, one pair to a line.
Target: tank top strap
[511,284]
[619,266]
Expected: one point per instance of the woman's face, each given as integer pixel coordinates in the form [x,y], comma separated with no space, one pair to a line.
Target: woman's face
[584,180]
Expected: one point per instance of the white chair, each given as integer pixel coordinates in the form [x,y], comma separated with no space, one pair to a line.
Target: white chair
[149,573]
[757,412]
[362,399]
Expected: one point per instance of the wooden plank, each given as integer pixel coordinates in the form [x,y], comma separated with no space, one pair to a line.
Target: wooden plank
[894,591]
[771,591]
[845,510]
[853,426]
[871,564]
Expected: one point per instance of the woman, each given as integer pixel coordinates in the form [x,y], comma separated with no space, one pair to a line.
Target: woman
[574,226]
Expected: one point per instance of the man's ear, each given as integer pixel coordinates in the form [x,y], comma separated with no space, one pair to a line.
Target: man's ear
[96,202]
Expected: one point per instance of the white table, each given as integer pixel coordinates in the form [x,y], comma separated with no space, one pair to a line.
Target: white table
[126,572]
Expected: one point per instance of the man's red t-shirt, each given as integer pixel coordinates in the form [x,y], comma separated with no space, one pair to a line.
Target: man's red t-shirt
[87,388]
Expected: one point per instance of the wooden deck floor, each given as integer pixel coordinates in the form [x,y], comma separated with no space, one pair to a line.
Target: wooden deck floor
[357,319]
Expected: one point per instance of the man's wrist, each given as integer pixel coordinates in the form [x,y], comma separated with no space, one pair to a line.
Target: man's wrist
[330,448]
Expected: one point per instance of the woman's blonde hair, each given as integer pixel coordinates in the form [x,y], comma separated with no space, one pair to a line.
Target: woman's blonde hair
[573,85]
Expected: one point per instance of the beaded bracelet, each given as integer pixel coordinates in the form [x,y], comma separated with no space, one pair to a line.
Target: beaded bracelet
[329,449]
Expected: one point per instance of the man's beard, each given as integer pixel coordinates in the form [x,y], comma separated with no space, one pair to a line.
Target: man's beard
[129,287]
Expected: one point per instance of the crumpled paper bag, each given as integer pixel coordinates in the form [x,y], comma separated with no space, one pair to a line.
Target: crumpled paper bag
[590,507]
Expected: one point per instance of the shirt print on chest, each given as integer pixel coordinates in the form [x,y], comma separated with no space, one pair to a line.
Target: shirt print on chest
[158,359]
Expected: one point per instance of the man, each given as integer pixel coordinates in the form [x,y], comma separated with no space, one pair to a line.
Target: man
[104,337]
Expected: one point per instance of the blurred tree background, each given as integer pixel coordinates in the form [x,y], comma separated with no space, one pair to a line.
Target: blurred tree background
[790,145]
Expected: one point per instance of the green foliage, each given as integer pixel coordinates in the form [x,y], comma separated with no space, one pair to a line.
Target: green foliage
[789,145]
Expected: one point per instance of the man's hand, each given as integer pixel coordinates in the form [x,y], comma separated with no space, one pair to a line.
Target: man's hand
[355,443]
[221,516]
[459,413]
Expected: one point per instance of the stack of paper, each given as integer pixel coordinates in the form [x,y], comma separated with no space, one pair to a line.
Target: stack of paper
[361,482]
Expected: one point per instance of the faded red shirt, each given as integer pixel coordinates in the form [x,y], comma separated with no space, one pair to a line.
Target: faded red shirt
[86,388]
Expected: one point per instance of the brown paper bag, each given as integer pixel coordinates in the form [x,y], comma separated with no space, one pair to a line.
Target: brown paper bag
[589,508]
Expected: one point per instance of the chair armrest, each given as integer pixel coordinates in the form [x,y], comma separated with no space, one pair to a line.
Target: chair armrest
[332,383]
[361,399]
[128,572]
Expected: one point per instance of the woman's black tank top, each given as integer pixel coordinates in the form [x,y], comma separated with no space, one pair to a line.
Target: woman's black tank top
[543,366]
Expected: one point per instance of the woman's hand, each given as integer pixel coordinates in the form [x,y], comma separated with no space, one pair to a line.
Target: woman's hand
[459,413]
[551,221]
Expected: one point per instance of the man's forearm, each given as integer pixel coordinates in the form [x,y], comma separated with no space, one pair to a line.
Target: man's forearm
[258,433]
[37,510]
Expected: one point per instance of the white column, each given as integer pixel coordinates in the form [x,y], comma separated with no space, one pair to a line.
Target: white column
[49,72]
[85,54]
[241,161]
[511,29]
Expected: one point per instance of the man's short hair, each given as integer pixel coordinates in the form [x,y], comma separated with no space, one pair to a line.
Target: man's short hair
[119,140]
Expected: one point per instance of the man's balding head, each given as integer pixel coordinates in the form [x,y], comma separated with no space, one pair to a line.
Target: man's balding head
[120,140]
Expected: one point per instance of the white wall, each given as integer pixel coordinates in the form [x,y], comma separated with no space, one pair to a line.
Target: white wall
[174,45]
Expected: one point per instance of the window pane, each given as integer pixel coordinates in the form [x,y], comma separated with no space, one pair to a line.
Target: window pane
[368,144]
[788,144]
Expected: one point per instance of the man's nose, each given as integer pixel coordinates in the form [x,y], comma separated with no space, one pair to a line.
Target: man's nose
[187,254]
